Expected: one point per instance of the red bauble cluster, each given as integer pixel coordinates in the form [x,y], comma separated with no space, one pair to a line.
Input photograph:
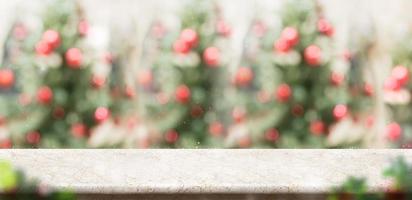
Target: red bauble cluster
[393,131]
[312,55]
[44,95]
[317,127]
[211,56]
[50,41]
[244,76]
[101,114]
[398,78]
[336,78]
[283,93]
[187,40]
[288,39]
[6,78]
[340,111]
[325,27]
[78,130]
[182,94]
[171,136]
[74,58]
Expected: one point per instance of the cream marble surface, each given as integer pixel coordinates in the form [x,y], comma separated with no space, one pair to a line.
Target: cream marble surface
[202,171]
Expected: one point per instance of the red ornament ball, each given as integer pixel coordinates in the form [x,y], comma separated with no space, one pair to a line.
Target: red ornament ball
[74,58]
[281,46]
[33,137]
[145,77]
[43,49]
[283,92]
[325,27]
[211,56]
[190,37]
[181,47]
[51,38]
[44,95]
[58,112]
[393,131]
[340,111]
[101,114]
[98,81]
[238,114]
[78,130]
[223,28]
[216,129]
[6,78]
[291,35]
[400,74]
[336,78]
[244,76]
[317,127]
[83,27]
[6,144]
[272,135]
[368,89]
[392,84]
[182,94]
[171,136]
[313,55]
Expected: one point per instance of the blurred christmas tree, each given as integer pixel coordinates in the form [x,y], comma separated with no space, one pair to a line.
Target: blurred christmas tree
[288,91]
[180,75]
[61,79]
[397,95]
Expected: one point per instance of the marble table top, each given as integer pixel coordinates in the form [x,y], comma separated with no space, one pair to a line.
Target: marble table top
[202,171]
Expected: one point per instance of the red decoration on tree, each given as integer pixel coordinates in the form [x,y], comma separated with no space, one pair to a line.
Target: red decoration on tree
[5,143]
[58,112]
[52,38]
[33,137]
[400,74]
[211,56]
[297,110]
[171,136]
[291,35]
[223,28]
[190,37]
[180,46]
[43,49]
[272,135]
[393,131]
[101,114]
[313,55]
[317,127]
[391,84]
[74,58]
[368,89]
[83,27]
[216,129]
[283,92]
[78,130]
[281,46]
[325,27]
[244,142]
[182,94]
[129,91]
[44,95]
[145,77]
[244,76]
[340,111]
[98,81]
[238,114]
[337,78]
[6,78]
